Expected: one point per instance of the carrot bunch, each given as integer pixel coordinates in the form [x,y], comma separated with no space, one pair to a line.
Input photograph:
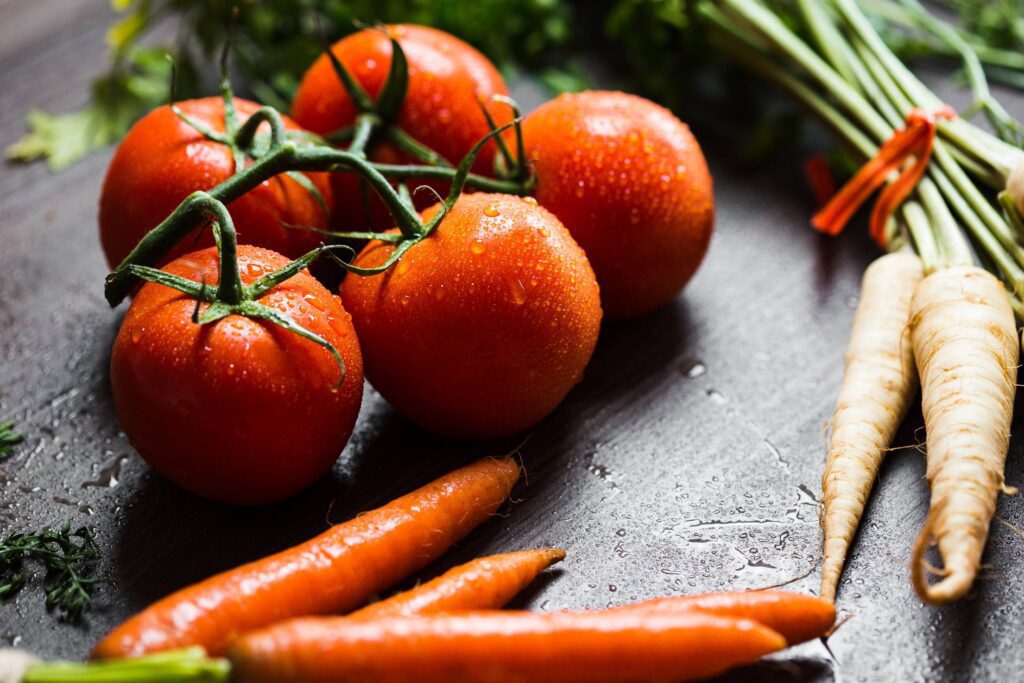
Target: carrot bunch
[283,618]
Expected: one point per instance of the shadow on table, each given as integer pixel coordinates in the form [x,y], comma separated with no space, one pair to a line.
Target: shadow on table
[804,670]
[171,538]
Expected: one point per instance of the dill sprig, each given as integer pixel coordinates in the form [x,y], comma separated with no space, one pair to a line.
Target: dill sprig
[68,563]
[8,439]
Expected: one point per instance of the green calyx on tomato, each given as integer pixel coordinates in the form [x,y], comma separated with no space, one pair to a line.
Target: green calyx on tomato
[378,119]
[230,296]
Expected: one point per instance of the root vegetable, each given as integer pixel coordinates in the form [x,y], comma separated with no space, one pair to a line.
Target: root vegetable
[966,346]
[797,617]
[1015,185]
[334,572]
[878,383]
[484,583]
[502,647]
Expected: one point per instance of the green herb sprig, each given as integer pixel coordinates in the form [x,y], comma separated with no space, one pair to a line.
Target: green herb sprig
[68,558]
[8,439]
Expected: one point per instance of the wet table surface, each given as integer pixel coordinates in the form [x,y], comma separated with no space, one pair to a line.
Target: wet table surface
[687,460]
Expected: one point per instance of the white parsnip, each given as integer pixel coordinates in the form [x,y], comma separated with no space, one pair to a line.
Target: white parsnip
[1015,184]
[966,348]
[878,383]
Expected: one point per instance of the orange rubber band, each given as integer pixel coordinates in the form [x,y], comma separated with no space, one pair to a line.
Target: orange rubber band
[916,139]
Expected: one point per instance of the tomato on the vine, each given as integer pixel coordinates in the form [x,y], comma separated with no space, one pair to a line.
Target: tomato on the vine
[163,159]
[238,410]
[482,328]
[448,80]
[630,182]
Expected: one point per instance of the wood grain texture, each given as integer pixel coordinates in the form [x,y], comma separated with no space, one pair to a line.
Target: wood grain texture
[688,459]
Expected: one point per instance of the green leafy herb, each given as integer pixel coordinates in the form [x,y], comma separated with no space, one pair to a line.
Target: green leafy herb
[136,82]
[8,439]
[67,562]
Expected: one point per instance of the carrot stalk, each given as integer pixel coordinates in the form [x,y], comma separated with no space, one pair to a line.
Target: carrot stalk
[499,647]
[334,572]
[878,383]
[798,618]
[484,583]
[965,343]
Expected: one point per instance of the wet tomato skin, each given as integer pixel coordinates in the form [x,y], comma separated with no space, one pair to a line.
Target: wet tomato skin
[482,328]
[441,109]
[239,410]
[630,182]
[162,160]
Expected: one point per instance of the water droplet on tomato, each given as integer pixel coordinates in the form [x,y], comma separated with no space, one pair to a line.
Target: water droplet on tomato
[136,335]
[518,292]
[492,211]
[532,201]
[254,270]
[405,299]
[580,189]
[315,302]
[477,246]
[440,293]
[337,325]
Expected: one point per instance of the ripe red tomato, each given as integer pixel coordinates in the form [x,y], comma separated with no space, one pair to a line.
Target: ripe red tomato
[482,328]
[239,410]
[441,109]
[629,181]
[163,159]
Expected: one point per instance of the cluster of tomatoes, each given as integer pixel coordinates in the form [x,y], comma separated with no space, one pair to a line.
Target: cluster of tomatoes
[479,330]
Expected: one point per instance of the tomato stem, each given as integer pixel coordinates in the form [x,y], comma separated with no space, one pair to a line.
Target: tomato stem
[403,172]
[247,132]
[364,128]
[413,147]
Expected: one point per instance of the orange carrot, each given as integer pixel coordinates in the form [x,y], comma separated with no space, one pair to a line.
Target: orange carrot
[797,617]
[334,572]
[484,583]
[501,647]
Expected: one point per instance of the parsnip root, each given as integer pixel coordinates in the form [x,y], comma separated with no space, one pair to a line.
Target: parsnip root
[965,344]
[1015,185]
[878,383]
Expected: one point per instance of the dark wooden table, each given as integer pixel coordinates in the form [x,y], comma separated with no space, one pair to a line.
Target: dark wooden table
[688,460]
